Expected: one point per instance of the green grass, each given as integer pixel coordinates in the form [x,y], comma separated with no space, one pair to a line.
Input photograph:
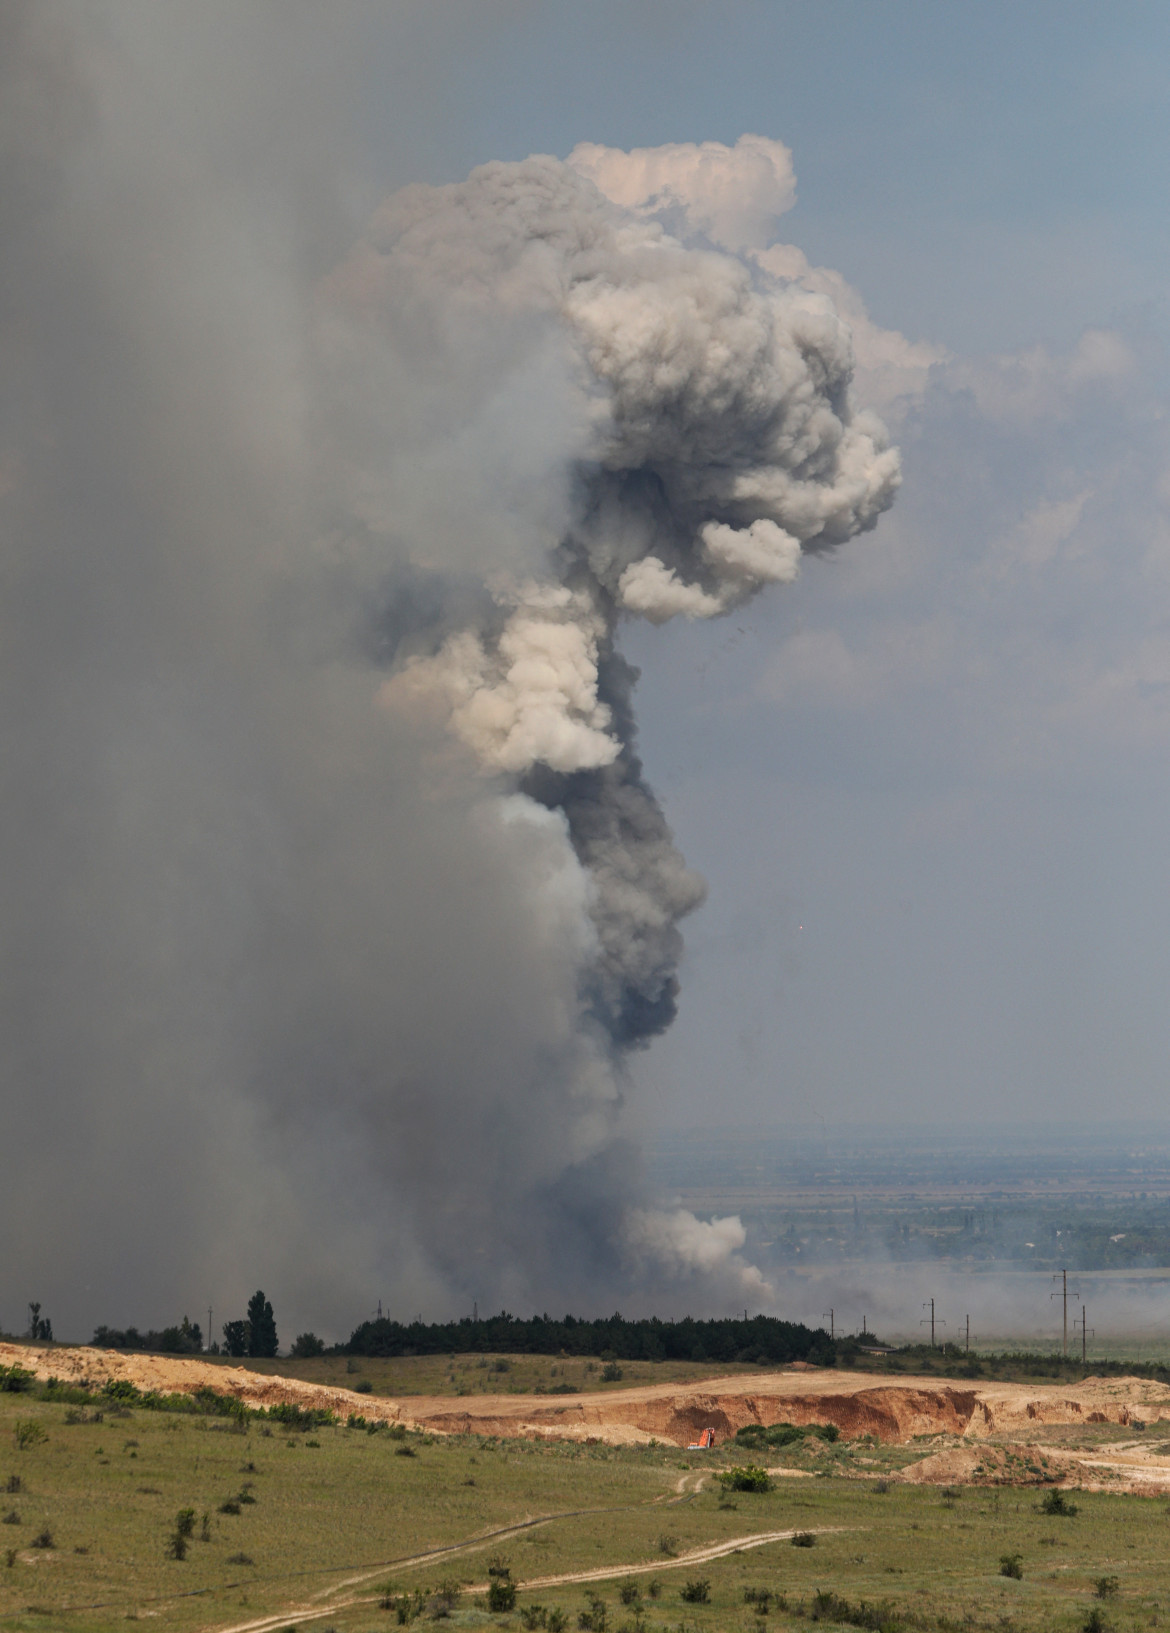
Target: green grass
[484,1374]
[321,1513]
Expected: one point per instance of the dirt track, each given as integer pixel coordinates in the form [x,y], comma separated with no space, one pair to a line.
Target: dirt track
[858,1403]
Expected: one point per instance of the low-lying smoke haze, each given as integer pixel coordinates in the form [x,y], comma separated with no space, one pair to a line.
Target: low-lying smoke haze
[337,897]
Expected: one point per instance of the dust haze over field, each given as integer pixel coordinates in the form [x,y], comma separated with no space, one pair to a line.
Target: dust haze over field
[335,896]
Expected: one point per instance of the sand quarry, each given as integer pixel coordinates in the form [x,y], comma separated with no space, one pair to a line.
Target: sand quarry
[985,1433]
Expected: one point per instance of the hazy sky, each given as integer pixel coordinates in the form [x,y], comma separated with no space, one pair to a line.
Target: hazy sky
[300,988]
[927,785]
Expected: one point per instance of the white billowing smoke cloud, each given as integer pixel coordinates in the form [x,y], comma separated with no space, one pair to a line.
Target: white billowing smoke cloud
[733,197]
[336,896]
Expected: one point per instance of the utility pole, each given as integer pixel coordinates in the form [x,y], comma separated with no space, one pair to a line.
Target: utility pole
[1085,1331]
[967,1346]
[1064,1301]
[475,1309]
[832,1317]
[208,1344]
[923,1322]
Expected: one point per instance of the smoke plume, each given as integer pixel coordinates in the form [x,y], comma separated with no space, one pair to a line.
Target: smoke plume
[336,896]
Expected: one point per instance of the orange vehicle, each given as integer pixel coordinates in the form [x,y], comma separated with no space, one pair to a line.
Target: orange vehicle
[704,1443]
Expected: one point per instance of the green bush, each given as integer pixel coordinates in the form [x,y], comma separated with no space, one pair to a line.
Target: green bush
[1106,1587]
[804,1539]
[755,1435]
[441,1601]
[749,1478]
[28,1432]
[16,1380]
[501,1595]
[1011,1565]
[595,1619]
[1055,1502]
[297,1417]
[830,1607]
[697,1591]
[306,1345]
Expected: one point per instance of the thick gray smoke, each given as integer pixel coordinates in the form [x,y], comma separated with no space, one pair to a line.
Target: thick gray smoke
[334,894]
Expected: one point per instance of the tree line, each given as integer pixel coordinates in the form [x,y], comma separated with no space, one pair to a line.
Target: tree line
[253,1334]
[761,1338]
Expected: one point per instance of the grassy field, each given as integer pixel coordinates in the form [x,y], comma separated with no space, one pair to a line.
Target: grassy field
[484,1374]
[339,1503]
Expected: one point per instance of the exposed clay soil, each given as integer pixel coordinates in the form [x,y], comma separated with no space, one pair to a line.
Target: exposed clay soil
[858,1403]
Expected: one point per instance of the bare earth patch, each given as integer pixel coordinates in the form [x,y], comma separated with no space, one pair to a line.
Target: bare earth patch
[858,1403]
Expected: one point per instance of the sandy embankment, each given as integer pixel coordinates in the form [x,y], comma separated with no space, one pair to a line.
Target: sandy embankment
[858,1403]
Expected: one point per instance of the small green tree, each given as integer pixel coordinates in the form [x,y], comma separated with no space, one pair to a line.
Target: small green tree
[237,1338]
[261,1326]
[40,1328]
[501,1595]
[306,1345]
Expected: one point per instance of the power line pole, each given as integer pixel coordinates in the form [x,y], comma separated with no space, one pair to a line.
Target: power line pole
[967,1346]
[1064,1301]
[923,1322]
[1085,1331]
[208,1344]
[832,1317]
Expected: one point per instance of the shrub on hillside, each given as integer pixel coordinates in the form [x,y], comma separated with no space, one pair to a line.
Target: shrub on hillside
[749,1478]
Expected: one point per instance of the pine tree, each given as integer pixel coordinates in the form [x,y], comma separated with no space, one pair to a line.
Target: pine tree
[262,1326]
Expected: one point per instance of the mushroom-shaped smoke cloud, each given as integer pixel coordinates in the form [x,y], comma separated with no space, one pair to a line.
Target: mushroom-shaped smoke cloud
[711,442]
[708,441]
